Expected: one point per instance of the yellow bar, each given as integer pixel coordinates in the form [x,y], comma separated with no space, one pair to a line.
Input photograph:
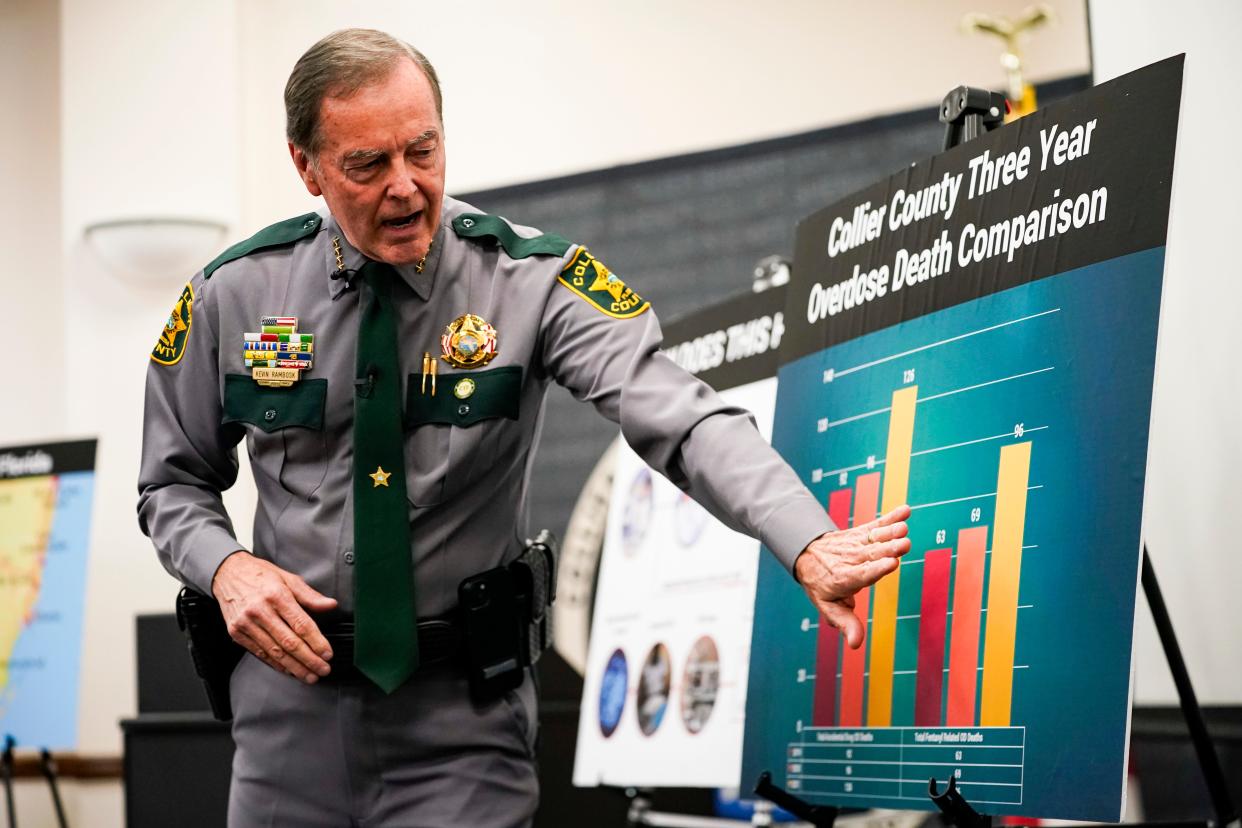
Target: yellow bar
[884,599]
[1002,623]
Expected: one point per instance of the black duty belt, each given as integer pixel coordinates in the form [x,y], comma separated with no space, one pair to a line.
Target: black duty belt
[501,626]
[440,641]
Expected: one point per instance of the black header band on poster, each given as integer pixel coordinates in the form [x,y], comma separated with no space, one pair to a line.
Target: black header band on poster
[39,459]
[731,343]
[1088,158]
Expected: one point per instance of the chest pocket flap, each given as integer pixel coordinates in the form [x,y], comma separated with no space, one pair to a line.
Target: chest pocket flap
[464,399]
[301,405]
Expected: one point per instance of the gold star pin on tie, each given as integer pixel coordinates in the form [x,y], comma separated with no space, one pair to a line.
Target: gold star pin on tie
[380,477]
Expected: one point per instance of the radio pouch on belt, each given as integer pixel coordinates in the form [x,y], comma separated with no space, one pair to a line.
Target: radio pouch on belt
[213,651]
[535,573]
[505,618]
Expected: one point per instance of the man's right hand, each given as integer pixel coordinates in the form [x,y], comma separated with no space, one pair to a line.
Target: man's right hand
[262,606]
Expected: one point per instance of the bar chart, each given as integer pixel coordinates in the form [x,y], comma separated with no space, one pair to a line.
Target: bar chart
[988,759]
[843,679]
[1019,447]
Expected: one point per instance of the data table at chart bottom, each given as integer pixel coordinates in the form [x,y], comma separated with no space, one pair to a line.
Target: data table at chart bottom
[891,766]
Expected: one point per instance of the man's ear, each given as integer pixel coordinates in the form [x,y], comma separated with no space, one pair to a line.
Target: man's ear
[306,170]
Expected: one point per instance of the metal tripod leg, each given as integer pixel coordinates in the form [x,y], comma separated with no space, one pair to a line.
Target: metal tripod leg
[6,771]
[1222,805]
[48,766]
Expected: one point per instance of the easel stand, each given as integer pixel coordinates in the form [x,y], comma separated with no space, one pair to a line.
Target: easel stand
[6,770]
[1223,808]
[821,816]
[47,765]
[641,815]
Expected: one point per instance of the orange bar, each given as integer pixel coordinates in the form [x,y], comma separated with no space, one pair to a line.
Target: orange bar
[972,547]
[884,621]
[853,662]
[1000,634]
[866,498]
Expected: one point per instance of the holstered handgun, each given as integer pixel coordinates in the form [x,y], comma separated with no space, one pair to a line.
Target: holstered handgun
[214,652]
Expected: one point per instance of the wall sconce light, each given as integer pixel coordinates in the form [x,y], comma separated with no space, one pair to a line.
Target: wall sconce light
[154,251]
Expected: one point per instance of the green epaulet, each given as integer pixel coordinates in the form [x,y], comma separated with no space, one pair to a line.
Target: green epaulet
[277,235]
[483,226]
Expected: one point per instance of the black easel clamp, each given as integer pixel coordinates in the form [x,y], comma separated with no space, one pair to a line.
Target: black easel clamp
[956,809]
[968,112]
[821,816]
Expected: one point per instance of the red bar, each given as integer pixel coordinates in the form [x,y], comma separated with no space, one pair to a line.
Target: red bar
[828,640]
[827,648]
[854,662]
[964,635]
[929,680]
[839,507]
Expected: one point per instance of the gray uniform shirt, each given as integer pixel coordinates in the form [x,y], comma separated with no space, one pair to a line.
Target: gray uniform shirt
[467,462]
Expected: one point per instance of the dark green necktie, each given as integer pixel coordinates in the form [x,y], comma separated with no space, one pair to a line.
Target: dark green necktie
[386,640]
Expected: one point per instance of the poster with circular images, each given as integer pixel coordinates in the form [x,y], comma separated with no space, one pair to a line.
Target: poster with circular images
[675,595]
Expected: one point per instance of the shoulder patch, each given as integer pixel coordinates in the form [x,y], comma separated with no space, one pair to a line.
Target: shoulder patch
[587,276]
[170,347]
[483,226]
[277,235]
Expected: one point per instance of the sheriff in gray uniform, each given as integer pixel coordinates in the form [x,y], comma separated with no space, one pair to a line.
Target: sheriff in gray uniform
[442,327]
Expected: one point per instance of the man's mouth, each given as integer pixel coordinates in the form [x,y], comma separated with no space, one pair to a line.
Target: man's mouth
[401,222]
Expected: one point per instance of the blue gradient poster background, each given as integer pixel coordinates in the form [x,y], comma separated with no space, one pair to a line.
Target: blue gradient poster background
[1066,364]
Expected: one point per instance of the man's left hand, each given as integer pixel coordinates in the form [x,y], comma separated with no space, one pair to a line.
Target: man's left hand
[836,565]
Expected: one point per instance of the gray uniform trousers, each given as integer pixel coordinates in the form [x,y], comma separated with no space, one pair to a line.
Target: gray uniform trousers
[343,754]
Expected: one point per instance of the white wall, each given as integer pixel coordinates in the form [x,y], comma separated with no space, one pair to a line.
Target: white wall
[32,406]
[1193,489]
[147,126]
[539,89]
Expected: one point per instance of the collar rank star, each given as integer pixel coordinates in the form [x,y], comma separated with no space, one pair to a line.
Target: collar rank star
[277,354]
[468,342]
[380,477]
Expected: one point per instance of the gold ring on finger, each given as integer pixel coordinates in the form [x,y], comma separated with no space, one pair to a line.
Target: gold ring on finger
[871,536]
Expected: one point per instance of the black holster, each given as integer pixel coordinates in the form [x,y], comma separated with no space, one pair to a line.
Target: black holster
[213,651]
[506,618]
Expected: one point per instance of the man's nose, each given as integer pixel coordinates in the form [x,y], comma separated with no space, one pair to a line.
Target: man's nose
[401,185]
